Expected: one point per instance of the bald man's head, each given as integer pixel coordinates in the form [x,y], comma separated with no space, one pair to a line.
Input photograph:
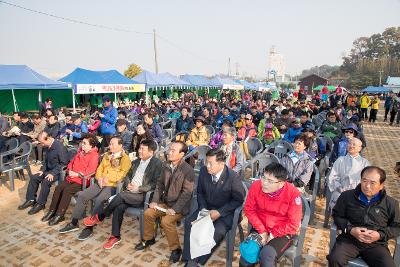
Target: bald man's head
[354,147]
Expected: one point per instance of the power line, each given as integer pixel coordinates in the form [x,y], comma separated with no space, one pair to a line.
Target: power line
[110,28]
[74,20]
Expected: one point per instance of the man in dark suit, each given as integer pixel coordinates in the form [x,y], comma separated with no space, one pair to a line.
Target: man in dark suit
[220,191]
[56,159]
[143,176]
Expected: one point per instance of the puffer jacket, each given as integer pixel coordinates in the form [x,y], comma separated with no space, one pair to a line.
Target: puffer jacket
[107,125]
[299,173]
[247,131]
[198,137]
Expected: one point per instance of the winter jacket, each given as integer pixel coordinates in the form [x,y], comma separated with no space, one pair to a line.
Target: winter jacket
[198,137]
[84,164]
[279,215]
[114,171]
[382,216]
[53,130]
[247,131]
[331,129]
[235,158]
[221,119]
[156,131]
[299,173]
[184,124]
[365,101]
[275,134]
[126,137]
[175,187]
[56,158]
[216,140]
[291,134]
[107,126]
[79,129]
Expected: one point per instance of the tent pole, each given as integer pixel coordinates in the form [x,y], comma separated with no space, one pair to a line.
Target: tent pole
[115,97]
[14,102]
[73,100]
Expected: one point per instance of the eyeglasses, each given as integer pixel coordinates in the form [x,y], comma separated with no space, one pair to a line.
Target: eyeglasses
[268,181]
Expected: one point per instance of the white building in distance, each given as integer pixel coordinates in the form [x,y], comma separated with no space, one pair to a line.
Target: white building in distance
[276,66]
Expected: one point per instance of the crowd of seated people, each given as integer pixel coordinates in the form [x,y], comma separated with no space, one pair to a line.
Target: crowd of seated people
[116,162]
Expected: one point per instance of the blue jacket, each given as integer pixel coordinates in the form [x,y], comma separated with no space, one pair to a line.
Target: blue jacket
[222,118]
[83,128]
[292,133]
[156,131]
[107,125]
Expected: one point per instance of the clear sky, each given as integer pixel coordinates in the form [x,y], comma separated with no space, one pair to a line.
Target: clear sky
[204,33]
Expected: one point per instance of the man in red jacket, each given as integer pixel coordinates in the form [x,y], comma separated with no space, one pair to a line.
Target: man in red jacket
[274,209]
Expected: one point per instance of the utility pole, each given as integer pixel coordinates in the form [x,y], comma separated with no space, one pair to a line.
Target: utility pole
[380,77]
[237,69]
[155,50]
[229,67]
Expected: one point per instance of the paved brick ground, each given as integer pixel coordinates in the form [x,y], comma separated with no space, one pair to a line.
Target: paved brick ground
[26,241]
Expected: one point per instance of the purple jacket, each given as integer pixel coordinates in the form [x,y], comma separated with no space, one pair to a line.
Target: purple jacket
[216,140]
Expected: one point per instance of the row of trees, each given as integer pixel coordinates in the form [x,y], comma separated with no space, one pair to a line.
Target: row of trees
[372,59]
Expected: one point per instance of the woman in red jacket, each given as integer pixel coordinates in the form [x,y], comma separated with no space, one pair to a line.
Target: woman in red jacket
[274,209]
[83,164]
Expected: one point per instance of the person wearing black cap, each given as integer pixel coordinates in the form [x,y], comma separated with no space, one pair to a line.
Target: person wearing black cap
[199,134]
[340,146]
[108,119]
[125,134]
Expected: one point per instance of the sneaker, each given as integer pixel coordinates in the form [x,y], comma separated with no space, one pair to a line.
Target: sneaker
[112,241]
[69,228]
[91,220]
[85,234]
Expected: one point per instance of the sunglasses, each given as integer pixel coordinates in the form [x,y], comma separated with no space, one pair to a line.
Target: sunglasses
[247,119]
[348,131]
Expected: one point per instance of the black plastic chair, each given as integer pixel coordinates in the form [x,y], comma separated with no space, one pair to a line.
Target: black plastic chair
[16,160]
[210,129]
[254,146]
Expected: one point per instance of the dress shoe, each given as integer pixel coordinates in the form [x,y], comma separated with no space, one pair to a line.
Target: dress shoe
[56,220]
[175,255]
[191,263]
[27,204]
[48,215]
[36,208]
[144,244]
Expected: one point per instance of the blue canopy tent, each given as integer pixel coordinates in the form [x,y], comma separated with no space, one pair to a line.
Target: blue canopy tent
[100,82]
[21,88]
[247,85]
[173,80]
[227,83]
[198,80]
[376,90]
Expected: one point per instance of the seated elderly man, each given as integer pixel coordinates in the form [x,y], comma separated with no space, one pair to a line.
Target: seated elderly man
[171,200]
[235,157]
[368,218]
[220,192]
[298,163]
[345,173]
[56,158]
[274,209]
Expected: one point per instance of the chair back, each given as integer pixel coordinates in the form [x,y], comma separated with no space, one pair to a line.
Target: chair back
[254,146]
[10,144]
[262,160]
[281,148]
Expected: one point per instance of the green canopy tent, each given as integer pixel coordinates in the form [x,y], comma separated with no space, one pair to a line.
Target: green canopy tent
[22,88]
